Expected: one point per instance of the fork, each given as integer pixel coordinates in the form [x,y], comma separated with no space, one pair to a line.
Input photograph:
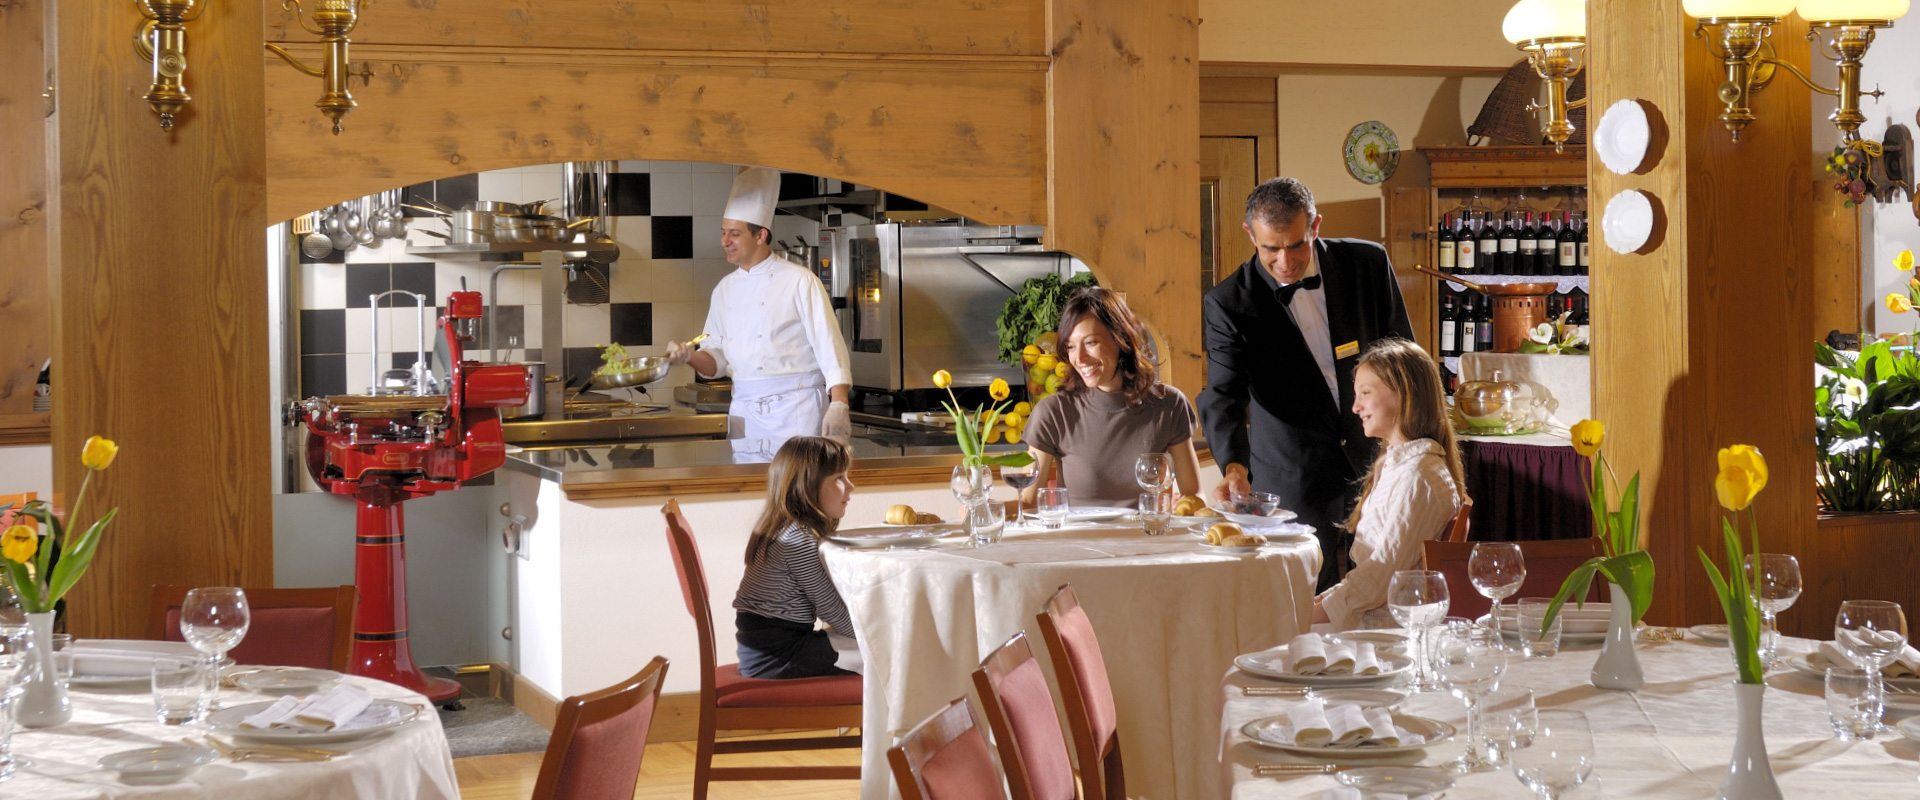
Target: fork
[1278,691]
[269,753]
[1266,770]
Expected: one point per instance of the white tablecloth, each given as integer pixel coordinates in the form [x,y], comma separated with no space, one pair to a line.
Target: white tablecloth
[1169,616]
[411,761]
[1671,739]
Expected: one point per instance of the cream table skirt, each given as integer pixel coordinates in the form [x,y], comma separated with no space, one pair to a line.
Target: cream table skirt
[1669,740]
[411,761]
[1169,616]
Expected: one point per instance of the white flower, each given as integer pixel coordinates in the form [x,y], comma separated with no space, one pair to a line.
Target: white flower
[1541,333]
[1577,337]
[1854,389]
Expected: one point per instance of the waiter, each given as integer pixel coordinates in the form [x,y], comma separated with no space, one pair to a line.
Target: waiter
[770,327]
[1283,335]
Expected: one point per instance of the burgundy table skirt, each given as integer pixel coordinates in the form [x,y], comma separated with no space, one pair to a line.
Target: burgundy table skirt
[1526,492]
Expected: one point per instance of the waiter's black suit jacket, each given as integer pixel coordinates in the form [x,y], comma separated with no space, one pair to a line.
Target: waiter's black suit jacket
[1266,403]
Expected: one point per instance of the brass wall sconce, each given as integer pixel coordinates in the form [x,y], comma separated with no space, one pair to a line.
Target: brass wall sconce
[162,39]
[1553,34]
[333,20]
[1746,26]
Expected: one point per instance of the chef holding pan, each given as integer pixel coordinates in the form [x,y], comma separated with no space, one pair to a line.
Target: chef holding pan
[771,327]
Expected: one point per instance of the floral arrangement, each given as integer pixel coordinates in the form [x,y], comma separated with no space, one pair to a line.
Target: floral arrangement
[974,430]
[26,557]
[1625,562]
[1743,473]
[1849,166]
[1556,337]
[1903,302]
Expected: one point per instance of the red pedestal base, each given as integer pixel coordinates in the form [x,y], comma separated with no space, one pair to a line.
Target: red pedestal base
[380,646]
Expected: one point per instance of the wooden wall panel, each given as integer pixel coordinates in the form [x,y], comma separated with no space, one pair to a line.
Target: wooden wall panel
[25,317]
[1123,174]
[160,327]
[1837,304]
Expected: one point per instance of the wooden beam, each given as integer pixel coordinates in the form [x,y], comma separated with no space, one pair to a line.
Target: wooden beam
[25,316]
[160,325]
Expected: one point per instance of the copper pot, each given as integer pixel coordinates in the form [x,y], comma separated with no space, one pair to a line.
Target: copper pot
[1517,307]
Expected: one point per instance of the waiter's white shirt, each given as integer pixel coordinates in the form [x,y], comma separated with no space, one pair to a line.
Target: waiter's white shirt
[1309,311]
[773,320]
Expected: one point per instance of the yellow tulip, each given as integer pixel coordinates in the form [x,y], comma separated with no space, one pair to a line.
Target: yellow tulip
[1029,354]
[98,452]
[1587,435]
[1913,283]
[1023,408]
[1904,261]
[1746,457]
[998,390]
[1735,488]
[942,379]
[19,544]
[1898,303]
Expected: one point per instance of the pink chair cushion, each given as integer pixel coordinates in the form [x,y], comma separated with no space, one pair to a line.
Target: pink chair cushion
[1089,673]
[1036,732]
[963,770]
[733,690]
[280,637]
[603,761]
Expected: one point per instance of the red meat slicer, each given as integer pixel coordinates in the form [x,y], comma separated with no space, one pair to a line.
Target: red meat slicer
[409,438]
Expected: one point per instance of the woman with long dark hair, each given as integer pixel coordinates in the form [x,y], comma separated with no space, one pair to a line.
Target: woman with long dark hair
[786,587]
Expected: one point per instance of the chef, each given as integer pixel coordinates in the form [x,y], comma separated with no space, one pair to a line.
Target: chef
[770,327]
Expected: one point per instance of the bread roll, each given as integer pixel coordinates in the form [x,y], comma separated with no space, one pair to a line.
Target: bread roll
[1220,531]
[1206,511]
[924,518]
[901,514]
[1243,540]
[1188,506]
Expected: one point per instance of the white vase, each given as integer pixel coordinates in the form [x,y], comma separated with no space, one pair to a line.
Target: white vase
[1749,774]
[43,703]
[1618,666]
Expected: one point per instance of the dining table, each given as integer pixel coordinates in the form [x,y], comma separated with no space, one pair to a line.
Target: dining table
[1670,739]
[1170,612]
[410,760]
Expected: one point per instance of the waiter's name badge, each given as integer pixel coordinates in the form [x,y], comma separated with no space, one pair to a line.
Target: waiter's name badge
[1348,350]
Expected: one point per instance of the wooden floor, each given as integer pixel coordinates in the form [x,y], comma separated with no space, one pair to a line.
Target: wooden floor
[666,772]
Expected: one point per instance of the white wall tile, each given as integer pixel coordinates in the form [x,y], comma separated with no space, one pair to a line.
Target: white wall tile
[359,339]
[632,282]
[503,185]
[710,191]
[357,375]
[672,194]
[532,328]
[538,186]
[634,232]
[586,326]
[706,235]
[323,286]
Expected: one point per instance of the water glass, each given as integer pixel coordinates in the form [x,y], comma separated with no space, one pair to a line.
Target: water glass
[62,658]
[16,663]
[1418,599]
[1052,507]
[1508,716]
[986,522]
[1851,707]
[1557,755]
[182,691]
[1776,578]
[1153,518]
[1538,640]
[1469,662]
[1872,633]
[1497,569]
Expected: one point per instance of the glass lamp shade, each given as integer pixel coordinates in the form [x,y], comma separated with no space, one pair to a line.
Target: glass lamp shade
[1530,20]
[1738,9]
[1818,11]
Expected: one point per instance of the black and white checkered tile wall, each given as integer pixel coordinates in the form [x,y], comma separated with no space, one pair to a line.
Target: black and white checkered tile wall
[666,217]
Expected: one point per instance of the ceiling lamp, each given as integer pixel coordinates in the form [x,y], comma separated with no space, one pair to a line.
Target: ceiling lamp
[1745,27]
[1553,34]
[333,21]
[1850,26]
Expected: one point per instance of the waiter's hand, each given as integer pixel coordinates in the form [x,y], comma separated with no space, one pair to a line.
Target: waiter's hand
[1233,480]
[837,424]
[679,352]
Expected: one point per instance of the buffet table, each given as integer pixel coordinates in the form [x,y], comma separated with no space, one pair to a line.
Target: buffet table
[1167,611]
[1671,739]
[1526,488]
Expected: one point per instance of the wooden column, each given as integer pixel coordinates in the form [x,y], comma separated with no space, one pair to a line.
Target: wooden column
[1702,342]
[1123,175]
[159,306]
[23,223]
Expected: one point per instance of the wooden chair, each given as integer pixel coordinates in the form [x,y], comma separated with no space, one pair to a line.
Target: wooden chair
[1548,563]
[731,701]
[1025,723]
[945,758]
[286,628]
[599,738]
[1082,673]
[1462,520]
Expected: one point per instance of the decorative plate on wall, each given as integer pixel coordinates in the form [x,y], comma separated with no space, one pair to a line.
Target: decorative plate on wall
[1372,152]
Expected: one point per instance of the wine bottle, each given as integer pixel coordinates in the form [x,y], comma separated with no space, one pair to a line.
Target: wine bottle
[1580,264]
[1556,305]
[1577,300]
[1545,245]
[1449,324]
[1529,246]
[1448,248]
[1483,330]
[1468,320]
[1503,264]
[1569,247]
[1466,262]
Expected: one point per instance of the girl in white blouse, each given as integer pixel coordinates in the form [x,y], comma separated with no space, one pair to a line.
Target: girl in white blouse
[1413,489]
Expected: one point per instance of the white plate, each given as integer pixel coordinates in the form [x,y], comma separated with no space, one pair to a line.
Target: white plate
[1264,731]
[891,535]
[1384,639]
[1816,665]
[1237,550]
[1279,516]
[382,715]
[136,681]
[163,764]
[1096,513]
[287,680]
[1191,522]
[1627,221]
[1407,781]
[1716,633]
[1285,532]
[1622,136]
[1396,664]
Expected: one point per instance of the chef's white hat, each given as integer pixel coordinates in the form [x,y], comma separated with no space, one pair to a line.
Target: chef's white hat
[755,190]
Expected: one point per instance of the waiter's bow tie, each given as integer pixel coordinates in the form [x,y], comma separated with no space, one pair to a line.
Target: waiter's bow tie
[1286,292]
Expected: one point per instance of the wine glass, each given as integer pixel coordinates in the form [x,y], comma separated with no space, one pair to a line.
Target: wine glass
[213,620]
[1467,659]
[1418,598]
[1154,472]
[1497,569]
[1019,478]
[1777,578]
[1556,755]
[16,662]
[1871,632]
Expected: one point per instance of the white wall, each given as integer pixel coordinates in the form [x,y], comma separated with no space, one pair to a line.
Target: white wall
[27,468]
[1886,228]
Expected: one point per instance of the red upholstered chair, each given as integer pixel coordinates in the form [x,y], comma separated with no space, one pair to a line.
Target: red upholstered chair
[599,738]
[945,758]
[1548,563]
[730,701]
[1082,673]
[286,627]
[1457,528]
[1025,723]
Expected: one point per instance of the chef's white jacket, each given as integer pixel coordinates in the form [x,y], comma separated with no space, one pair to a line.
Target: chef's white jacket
[774,320]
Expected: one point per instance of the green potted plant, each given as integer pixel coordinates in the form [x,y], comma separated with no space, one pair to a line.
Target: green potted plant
[1625,565]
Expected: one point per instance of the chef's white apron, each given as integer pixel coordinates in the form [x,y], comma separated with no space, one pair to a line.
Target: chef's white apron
[766,412]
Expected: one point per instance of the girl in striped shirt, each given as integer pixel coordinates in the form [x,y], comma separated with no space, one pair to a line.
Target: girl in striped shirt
[786,586]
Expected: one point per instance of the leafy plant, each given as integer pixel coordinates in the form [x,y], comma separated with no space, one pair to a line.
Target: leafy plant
[1034,310]
[28,561]
[1742,474]
[1626,562]
[1867,427]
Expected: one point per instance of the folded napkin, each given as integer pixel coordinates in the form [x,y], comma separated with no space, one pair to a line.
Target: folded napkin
[117,665]
[1314,723]
[135,647]
[322,712]
[1904,665]
[1313,654]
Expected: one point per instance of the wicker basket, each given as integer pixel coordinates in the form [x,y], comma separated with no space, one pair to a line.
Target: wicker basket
[1504,118]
